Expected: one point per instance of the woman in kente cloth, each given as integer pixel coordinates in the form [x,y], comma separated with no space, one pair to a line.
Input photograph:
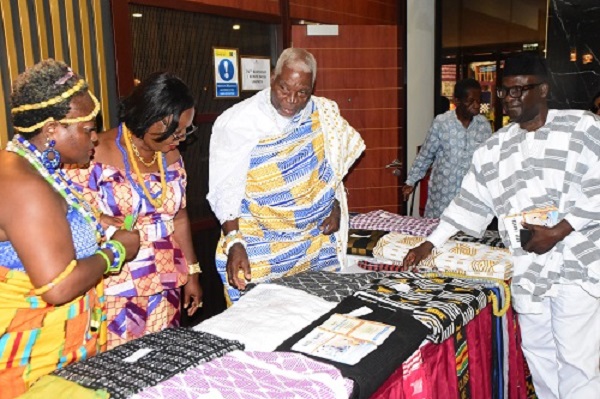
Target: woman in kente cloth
[52,253]
[137,179]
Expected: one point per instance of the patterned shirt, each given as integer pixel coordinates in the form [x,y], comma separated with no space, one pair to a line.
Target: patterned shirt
[519,171]
[449,146]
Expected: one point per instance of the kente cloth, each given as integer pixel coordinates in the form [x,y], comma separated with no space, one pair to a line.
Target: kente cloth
[362,242]
[469,259]
[518,171]
[290,189]
[132,318]
[266,316]
[160,264]
[50,386]
[387,221]
[36,337]
[386,267]
[264,375]
[449,146]
[238,131]
[440,303]
[146,361]
[372,370]
[490,238]
[332,287]
[461,350]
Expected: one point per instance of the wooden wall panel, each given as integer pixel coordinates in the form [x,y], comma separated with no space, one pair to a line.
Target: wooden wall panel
[359,69]
[345,12]
[259,6]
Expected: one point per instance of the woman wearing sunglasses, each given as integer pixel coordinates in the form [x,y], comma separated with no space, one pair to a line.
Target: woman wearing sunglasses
[137,179]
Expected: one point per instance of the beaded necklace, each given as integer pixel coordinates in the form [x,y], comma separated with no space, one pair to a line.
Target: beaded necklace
[139,157]
[138,183]
[58,180]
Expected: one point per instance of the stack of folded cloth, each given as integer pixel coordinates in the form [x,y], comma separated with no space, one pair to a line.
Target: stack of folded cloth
[468,259]
[387,221]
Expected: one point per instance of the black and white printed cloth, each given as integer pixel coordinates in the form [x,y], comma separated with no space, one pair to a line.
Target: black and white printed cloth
[120,372]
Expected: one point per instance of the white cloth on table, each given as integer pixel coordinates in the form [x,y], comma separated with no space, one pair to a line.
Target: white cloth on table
[266,316]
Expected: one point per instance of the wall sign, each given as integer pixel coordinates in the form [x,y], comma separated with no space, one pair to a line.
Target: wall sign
[256,73]
[226,72]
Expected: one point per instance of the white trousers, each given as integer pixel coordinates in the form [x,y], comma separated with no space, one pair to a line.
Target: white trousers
[562,345]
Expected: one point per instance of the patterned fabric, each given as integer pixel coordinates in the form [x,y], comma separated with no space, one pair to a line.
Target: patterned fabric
[289,192]
[50,386]
[36,337]
[469,259]
[238,130]
[519,171]
[266,316]
[387,221]
[449,146]
[132,318]
[386,267]
[373,369]
[122,372]
[332,287]
[242,375]
[442,303]
[159,265]
[462,363]
[362,242]
[489,238]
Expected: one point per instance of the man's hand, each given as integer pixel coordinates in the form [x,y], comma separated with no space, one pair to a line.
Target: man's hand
[407,191]
[543,239]
[237,261]
[417,254]
[331,224]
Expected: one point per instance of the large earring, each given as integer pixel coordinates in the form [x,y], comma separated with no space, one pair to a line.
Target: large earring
[51,157]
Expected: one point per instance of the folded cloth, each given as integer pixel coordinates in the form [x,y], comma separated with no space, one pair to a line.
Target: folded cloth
[242,375]
[144,362]
[362,242]
[50,386]
[372,370]
[490,238]
[267,315]
[332,287]
[387,221]
[441,303]
[470,259]
[385,267]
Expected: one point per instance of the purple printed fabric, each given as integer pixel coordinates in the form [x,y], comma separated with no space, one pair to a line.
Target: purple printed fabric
[387,221]
[255,375]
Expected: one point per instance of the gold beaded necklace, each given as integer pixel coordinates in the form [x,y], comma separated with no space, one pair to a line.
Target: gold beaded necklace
[137,153]
[156,203]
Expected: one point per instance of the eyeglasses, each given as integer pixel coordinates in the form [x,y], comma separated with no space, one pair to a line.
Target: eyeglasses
[514,91]
[191,129]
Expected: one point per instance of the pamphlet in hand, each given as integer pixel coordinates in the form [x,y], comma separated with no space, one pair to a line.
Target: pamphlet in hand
[344,339]
[542,217]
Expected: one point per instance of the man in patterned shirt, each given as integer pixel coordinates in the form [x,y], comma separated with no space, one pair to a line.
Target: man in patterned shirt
[546,159]
[449,145]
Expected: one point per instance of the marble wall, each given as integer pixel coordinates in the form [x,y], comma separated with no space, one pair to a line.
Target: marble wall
[573,52]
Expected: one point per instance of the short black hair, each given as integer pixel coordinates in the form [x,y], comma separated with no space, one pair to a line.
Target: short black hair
[526,63]
[159,95]
[462,87]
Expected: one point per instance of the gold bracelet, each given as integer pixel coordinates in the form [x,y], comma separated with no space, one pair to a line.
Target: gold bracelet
[194,268]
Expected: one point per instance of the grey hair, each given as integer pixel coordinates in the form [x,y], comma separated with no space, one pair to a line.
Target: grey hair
[298,59]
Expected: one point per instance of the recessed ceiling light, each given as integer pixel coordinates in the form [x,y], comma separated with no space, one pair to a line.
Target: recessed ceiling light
[236,27]
[136,15]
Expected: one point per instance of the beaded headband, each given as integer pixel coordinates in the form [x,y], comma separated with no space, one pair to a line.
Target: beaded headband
[69,121]
[53,101]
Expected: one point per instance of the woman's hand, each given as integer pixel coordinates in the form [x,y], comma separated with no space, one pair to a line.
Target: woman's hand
[106,220]
[130,240]
[417,254]
[192,294]
[237,261]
